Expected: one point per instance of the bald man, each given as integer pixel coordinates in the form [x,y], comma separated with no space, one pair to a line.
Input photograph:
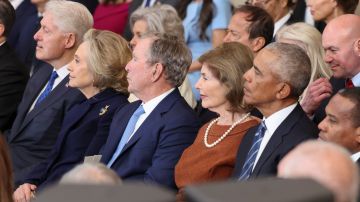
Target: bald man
[326,163]
[341,42]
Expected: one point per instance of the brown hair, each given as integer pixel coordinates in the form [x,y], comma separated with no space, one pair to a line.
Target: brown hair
[108,55]
[6,176]
[205,18]
[228,63]
[348,6]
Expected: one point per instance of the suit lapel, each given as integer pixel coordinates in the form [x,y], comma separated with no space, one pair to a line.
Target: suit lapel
[54,96]
[117,129]
[155,116]
[33,88]
[277,138]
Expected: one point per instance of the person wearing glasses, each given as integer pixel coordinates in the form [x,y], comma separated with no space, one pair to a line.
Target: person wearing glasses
[251,26]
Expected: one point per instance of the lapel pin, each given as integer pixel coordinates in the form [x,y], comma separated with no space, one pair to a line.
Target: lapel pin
[104,110]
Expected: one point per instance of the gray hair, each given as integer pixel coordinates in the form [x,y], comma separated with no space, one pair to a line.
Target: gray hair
[292,66]
[91,173]
[71,17]
[162,19]
[173,54]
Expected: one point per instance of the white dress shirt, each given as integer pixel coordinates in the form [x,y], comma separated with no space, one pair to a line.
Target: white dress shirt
[16,3]
[355,157]
[62,73]
[272,123]
[356,80]
[148,108]
[281,22]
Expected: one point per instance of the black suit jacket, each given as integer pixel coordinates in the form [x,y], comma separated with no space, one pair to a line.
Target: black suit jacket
[13,79]
[90,4]
[296,128]
[34,133]
[135,4]
[336,84]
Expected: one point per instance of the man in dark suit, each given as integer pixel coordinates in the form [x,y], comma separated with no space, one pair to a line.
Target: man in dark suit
[280,11]
[146,148]
[328,164]
[135,4]
[13,74]
[341,41]
[342,122]
[47,98]
[273,85]
[21,37]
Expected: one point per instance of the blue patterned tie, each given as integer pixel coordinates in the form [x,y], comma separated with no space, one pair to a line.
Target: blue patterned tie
[251,156]
[48,88]
[127,133]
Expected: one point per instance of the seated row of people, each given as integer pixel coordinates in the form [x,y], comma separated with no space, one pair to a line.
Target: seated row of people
[144,140]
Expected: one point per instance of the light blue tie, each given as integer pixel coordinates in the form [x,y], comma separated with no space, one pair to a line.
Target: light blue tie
[251,156]
[48,88]
[127,133]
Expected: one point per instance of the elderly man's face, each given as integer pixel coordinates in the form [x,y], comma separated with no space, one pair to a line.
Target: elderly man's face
[139,69]
[338,125]
[139,29]
[261,84]
[340,52]
[51,41]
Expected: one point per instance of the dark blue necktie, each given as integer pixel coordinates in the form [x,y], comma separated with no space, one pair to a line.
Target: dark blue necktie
[127,133]
[251,156]
[147,3]
[48,88]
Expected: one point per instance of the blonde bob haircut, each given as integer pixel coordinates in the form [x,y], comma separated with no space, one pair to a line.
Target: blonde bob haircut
[228,63]
[108,54]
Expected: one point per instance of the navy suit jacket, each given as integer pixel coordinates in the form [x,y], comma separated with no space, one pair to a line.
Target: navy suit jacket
[155,148]
[296,128]
[336,84]
[84,131]
[14,77]
[34,133]
[21,37]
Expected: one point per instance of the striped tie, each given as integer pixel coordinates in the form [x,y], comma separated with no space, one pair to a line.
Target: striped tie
[251,156]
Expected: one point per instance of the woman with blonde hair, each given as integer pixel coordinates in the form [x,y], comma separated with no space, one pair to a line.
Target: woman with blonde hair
[212,155]
[98,71]
[309,39]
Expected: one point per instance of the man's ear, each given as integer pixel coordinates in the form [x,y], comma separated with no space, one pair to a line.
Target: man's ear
[284,90]
[157,71]
[357,134]
[70,40]
[2,30]
[257,44]
[357,47]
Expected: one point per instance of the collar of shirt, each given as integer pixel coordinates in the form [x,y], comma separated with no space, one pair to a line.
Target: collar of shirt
[281,22]
[272,123]
[148,108]
[151,104]
[16,3]
[355,157]
[356,80]
[152,2]
[62,73]
[2,43]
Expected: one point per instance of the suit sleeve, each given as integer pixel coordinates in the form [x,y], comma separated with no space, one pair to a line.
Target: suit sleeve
[174,139]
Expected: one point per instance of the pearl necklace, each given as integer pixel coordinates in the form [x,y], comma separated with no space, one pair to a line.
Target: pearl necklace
[225,134]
